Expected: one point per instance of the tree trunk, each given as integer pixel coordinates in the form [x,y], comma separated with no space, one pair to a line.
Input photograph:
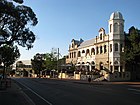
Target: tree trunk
[3,71]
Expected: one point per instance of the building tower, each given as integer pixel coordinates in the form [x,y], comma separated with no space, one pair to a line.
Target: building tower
[116,41]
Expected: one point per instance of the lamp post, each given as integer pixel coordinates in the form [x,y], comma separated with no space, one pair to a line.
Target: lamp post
[57,59]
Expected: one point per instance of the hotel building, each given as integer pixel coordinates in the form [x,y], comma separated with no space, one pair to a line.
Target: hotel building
[102,52]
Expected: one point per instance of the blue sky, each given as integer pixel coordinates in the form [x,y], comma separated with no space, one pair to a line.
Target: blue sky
[62,20]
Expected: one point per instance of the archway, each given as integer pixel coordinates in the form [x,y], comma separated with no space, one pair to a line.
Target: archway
[101,66]
[25,73]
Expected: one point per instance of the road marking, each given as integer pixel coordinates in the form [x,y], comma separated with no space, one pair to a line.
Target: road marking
[134,89]
[36,94]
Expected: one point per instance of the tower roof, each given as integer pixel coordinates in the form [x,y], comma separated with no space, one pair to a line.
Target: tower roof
[116,15]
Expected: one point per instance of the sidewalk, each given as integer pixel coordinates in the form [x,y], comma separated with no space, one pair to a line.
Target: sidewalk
[101,82]
[14,96]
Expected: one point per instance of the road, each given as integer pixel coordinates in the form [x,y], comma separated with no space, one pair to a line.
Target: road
[63,92]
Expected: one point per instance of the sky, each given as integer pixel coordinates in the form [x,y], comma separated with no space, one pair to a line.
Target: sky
[60,21]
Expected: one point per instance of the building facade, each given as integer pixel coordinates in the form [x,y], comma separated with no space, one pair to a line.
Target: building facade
[24,68]
[102,52]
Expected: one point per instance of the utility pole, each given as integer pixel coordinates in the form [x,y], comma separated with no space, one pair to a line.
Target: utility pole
[57,58]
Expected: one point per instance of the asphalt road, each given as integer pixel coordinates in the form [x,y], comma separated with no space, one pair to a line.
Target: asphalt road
[59,92]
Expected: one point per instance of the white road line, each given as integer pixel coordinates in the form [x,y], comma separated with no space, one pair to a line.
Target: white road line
[134,89]
[36,94]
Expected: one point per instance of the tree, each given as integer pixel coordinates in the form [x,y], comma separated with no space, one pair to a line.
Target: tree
[50,61]
[15,20]
[38,63]
[131,54]
[9,54]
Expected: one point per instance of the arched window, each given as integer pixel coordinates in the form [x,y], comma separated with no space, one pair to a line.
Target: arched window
[70,55]
[110,47]
[121,46]
[115,27]
[97,50]
[93,51]
[105,49]
[74,54]
[121,28]
[87,52]
[83,51]
[67,57]
[93,63]
[72,45]
[101,65]
[101,36]
[83,63]
[110,27]
[116,63]
[101,50]
[79,54]
[116,46]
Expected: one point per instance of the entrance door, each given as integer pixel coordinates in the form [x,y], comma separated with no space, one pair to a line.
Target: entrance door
[101,66]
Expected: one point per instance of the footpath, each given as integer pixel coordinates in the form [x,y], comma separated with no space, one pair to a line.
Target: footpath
[13,95]
[101,82]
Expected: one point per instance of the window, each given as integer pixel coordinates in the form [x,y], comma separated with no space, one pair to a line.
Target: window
[111,68]
[110,27]
[101,65]
[121,47]
[93,51]
[115,27]
[121,28]
[110,47]
[116,47]
[67,57]
[105,50]
[121,70]
[72,45]
[116,63]
[79,54]
[116,68]
[83,51]
[70,55]
[101,50]
[74,54]
[101,36]
[97,51]
[92,67]
[87,51]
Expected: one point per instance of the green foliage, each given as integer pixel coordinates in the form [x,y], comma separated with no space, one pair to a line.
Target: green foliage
[38,63]
[9,54]
[131,54]
[15,21]
[132,48]
[50,61]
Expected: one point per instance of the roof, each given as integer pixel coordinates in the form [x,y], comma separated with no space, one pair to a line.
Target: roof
[87,43]
[116,15]
[26,62]
[77,41]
